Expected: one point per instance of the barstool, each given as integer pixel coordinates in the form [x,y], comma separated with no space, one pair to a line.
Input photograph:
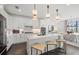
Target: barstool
[52,42]
[59,41]
[38,47]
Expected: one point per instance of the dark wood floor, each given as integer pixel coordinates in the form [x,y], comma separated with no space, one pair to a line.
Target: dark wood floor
[56,51]
[18,49]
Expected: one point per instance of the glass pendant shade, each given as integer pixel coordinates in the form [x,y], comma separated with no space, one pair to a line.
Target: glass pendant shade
[34,13]
[34,17]
[57,16]
[47,15]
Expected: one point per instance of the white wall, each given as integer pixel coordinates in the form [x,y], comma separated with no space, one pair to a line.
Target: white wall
[59,25]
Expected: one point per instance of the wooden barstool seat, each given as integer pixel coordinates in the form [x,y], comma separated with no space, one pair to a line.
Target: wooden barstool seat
[61,40]
[38,47]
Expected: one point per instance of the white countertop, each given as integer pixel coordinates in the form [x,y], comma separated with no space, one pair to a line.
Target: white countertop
[34,36]
[73,44]
[76,33]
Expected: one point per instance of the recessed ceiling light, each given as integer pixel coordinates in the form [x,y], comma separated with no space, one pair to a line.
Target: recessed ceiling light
[17,7]
[68,4]
[1,6]
[19,10]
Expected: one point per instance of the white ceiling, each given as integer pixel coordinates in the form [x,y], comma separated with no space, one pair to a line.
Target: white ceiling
[26,10]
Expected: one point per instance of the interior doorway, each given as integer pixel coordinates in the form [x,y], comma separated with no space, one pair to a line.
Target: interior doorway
[3,39]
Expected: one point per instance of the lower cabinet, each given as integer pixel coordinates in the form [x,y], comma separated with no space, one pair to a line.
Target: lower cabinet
[19,38]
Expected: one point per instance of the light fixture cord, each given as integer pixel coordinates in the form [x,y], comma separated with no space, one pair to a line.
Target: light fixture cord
[47,8]
[34,6]
[57,11]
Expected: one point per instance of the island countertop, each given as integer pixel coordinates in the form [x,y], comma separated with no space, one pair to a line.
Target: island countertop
[34,36]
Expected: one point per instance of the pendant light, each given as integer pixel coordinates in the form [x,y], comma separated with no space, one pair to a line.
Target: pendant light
[47,13]
[34,12]
[57,15]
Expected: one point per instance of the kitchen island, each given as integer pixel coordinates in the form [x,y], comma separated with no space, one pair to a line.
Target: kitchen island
[32,39]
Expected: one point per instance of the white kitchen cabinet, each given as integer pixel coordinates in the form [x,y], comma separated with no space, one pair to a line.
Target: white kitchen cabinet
[19,38]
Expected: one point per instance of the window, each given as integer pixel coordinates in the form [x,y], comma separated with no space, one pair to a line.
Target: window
[73,25]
